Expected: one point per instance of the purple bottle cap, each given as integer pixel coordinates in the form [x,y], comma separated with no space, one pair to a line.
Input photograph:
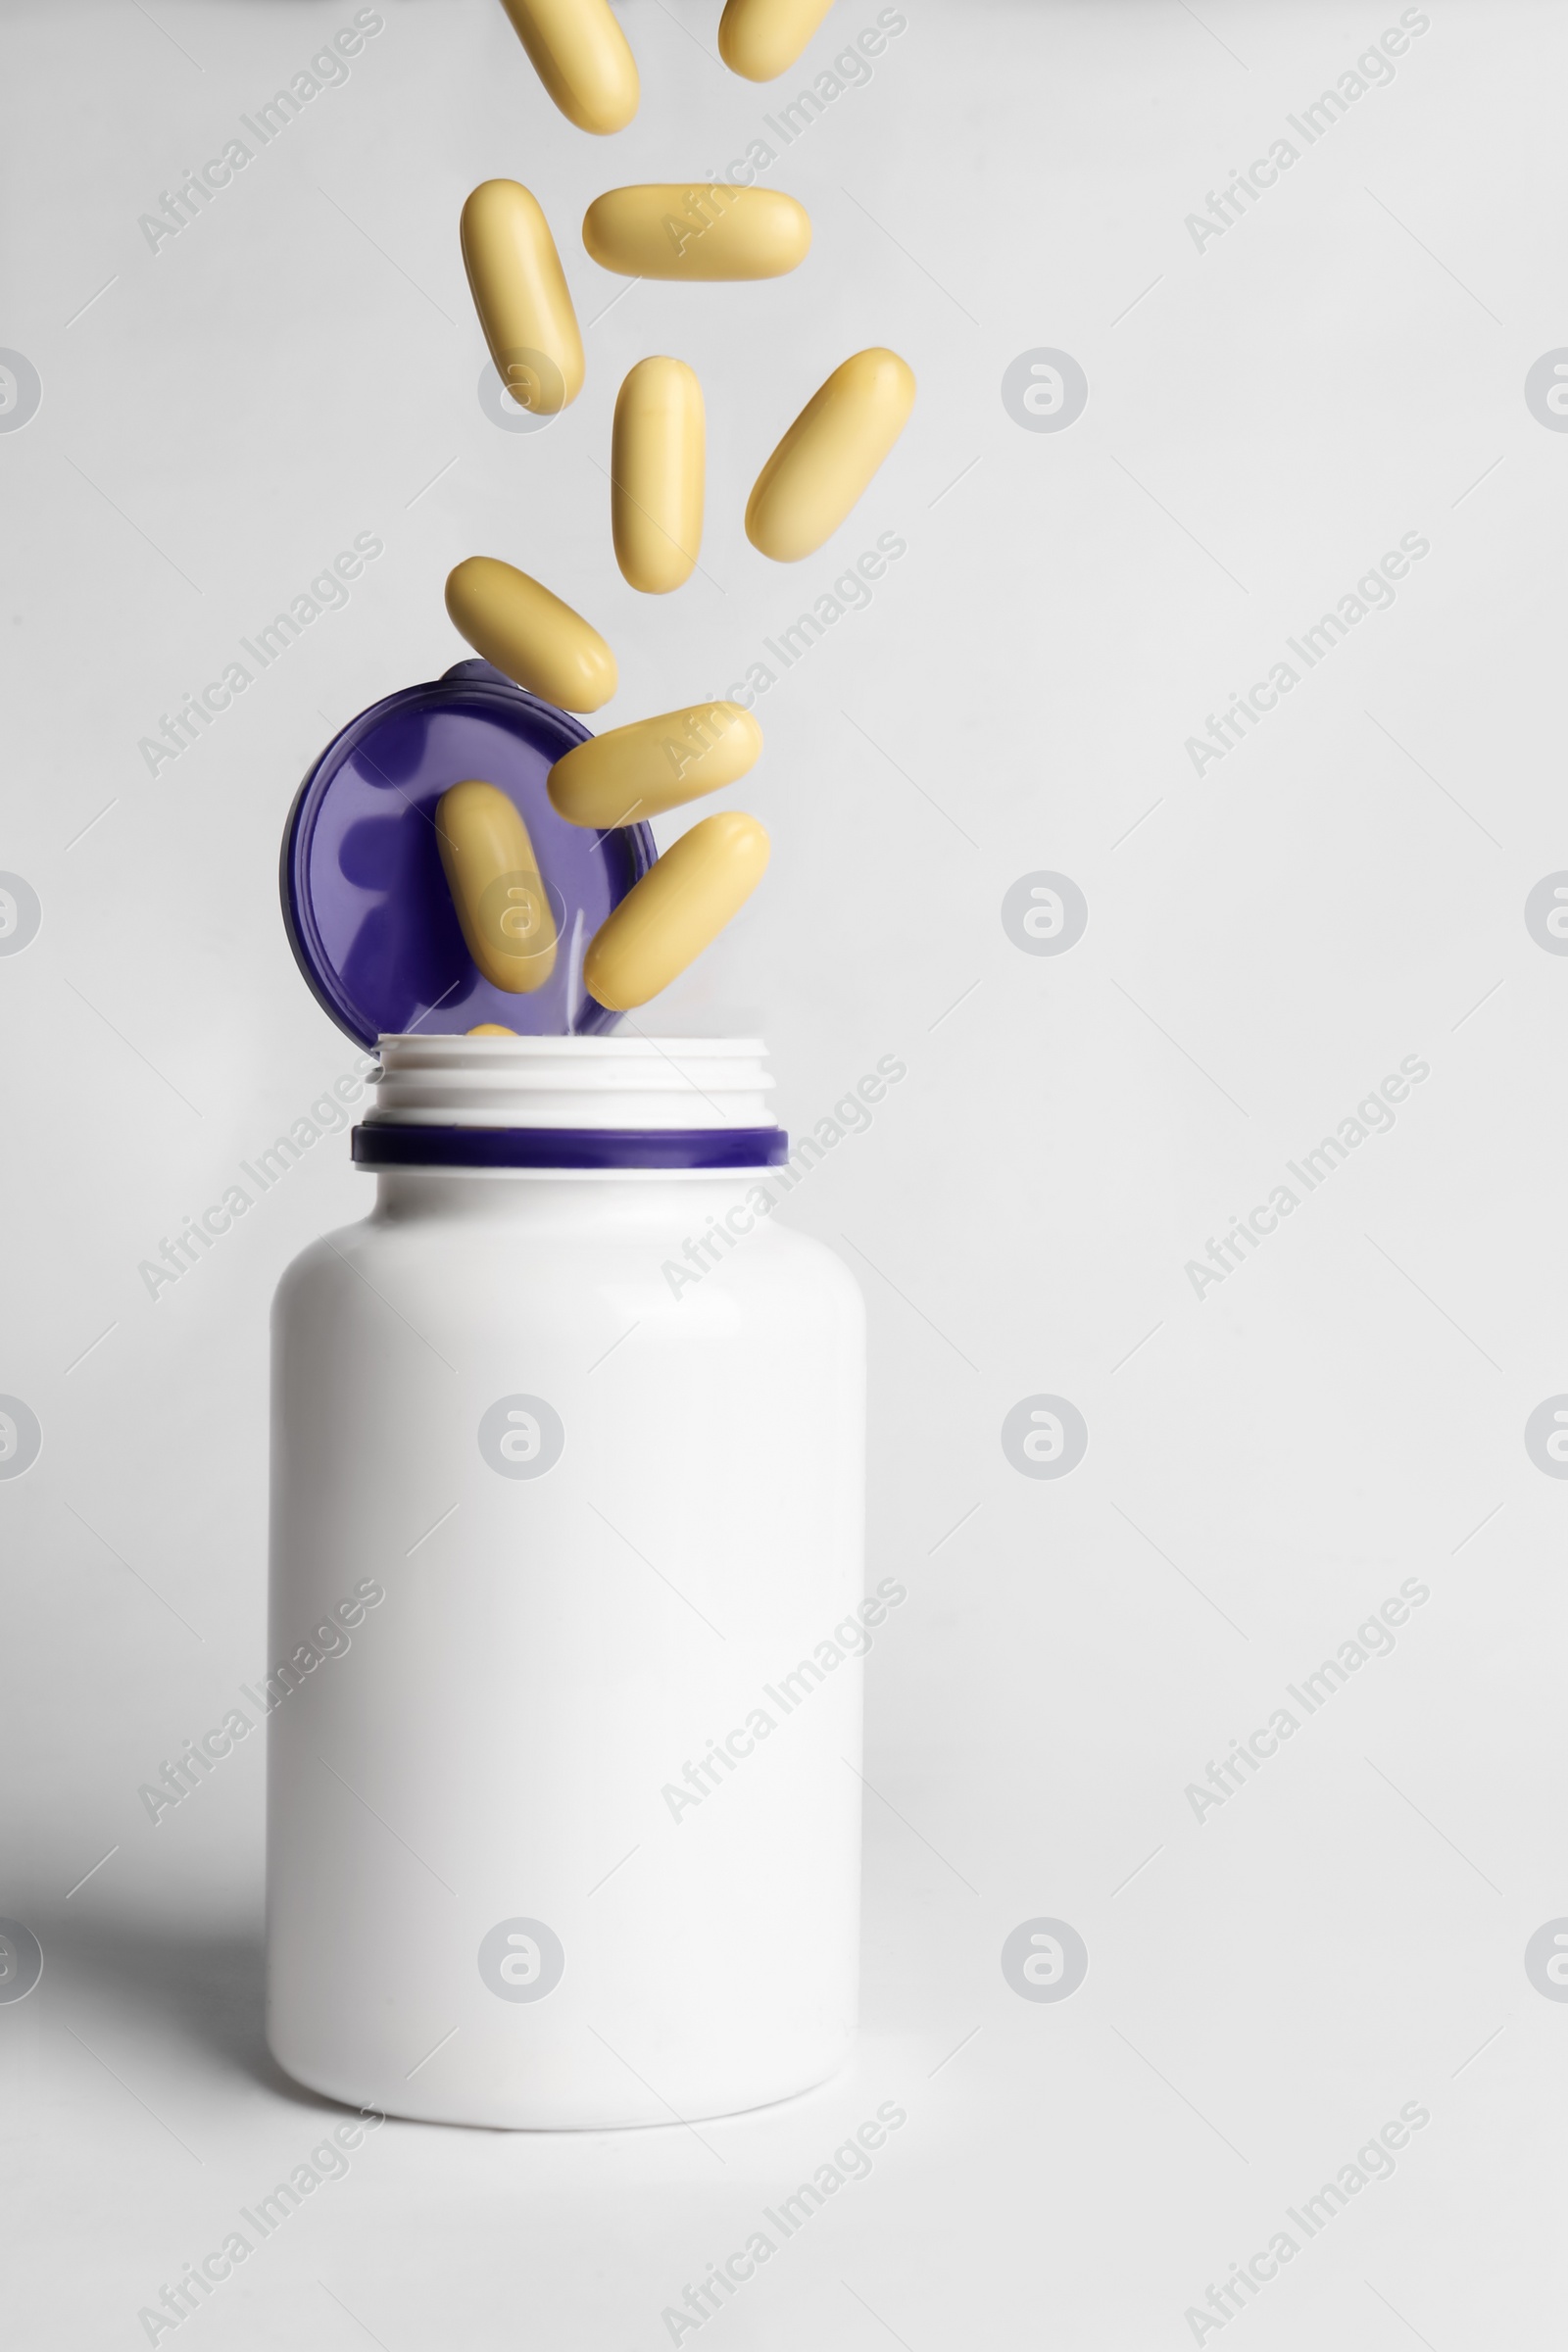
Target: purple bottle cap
[366,902]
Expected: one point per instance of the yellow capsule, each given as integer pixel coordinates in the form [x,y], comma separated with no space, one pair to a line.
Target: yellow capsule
[656,474]
[679,907]
[494,879]
[760,38]
[581,56]
[631,773]
[519,292]
[828,456]
[516,625]
[694,232]
[491,1029]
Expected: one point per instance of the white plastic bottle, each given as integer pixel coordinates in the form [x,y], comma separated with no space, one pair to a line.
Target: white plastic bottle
[567,1613]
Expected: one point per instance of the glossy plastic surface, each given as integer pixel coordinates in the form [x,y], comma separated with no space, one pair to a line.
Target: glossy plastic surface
[369,912]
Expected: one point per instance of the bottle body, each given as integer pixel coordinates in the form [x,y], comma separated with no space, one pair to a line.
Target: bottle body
[563,1818]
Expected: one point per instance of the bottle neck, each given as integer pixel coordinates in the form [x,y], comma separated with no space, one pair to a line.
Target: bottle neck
[595,1106]
[598,1105]
[606,1084]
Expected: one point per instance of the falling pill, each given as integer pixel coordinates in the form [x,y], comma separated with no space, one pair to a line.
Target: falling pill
[676,910]
[656,474]
[762,38]
[496,885]
[519,292]
[629,773]
[582,57]
[666,230]
[826,459]
[517,625]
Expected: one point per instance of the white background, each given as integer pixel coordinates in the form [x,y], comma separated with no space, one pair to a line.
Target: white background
[1346,364]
